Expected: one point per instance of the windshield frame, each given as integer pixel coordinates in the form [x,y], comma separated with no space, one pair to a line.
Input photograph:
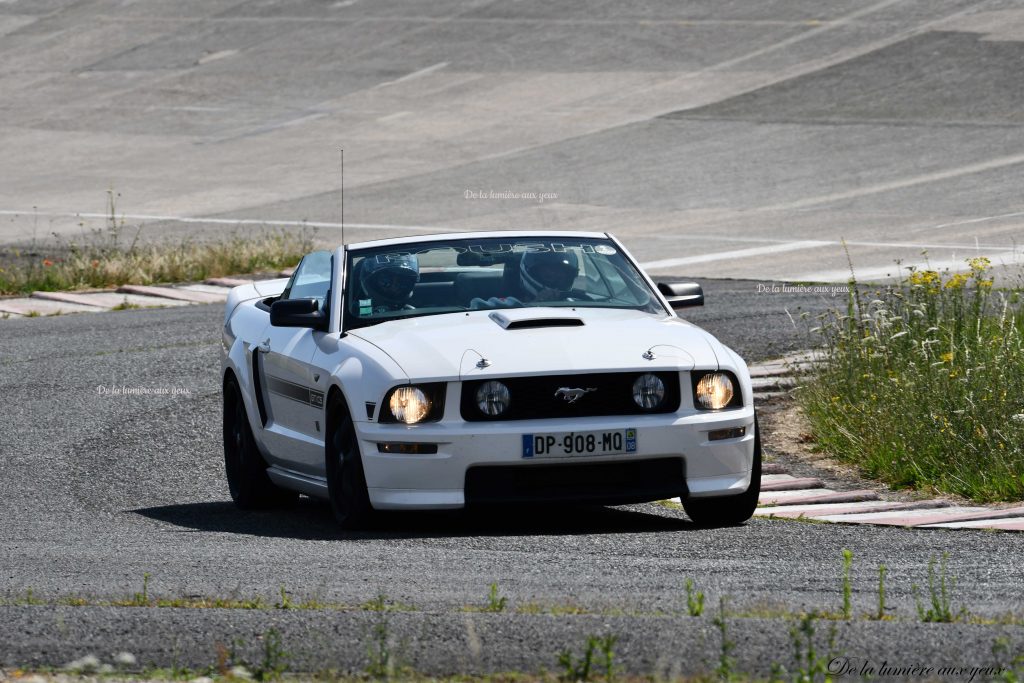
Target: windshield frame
[507,245]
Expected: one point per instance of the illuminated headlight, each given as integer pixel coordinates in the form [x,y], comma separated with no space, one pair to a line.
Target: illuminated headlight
[714,391]
[409,405]
[493,398]
[648,391]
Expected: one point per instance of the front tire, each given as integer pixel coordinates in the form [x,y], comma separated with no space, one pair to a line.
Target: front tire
[248,483]
[346,482]
[730,510]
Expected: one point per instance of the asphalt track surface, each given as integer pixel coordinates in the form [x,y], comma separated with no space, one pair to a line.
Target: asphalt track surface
[97,490]
[737,139]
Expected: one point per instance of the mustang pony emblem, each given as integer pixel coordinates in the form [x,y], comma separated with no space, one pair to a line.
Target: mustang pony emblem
[572,395]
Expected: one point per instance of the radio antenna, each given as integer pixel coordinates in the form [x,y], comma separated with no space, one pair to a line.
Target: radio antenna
[343,196]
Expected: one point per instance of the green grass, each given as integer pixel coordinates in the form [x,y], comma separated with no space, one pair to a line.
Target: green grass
[940,609]
[921,384]
[598,655]
[109,257]
[495,602]
[808,664]
[694,599]
[146,600]
[880,614]
[554,609]
[125,306]
[847,589]
[382,603]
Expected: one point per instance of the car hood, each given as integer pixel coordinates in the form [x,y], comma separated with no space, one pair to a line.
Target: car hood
[530,341]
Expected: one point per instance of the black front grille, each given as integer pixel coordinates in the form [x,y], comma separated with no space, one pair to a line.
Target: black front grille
[538,397]
[612,483]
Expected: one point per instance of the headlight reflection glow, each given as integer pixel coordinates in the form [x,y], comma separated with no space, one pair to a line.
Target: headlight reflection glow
[714,391]
[409,405]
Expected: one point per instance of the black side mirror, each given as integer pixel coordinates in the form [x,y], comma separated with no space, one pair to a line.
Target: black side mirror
[682,294]
[297,313]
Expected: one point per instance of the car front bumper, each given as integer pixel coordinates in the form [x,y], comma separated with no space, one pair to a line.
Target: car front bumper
[439,480]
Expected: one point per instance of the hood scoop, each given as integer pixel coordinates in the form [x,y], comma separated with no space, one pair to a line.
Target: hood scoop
[534,322]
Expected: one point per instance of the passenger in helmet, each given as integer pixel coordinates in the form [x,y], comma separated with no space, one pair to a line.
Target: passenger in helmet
[387,283]
[548,276]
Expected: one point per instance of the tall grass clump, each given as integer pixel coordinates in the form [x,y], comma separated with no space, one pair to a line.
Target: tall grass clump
[112,256]
[922,384]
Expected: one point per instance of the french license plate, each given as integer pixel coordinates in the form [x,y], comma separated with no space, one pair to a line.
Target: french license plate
[569,444]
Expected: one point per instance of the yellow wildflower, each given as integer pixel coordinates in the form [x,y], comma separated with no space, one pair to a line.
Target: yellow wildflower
[979,264]
[957,281]
[926,278]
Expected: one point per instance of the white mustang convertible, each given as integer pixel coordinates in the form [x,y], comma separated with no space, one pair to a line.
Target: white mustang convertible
[481,368]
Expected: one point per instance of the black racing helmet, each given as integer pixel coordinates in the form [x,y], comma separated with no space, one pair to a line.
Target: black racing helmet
[391,280]
[553,271]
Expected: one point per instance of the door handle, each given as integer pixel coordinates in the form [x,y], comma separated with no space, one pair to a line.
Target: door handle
[264,347]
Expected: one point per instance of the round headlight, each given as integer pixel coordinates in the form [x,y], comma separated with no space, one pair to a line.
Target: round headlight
[648,391]
[409,405]
[714,391]
[493,398]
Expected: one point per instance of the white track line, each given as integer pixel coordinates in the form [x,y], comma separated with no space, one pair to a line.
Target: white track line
[840,22]
[702,237]
[220,221]
[734,254]
[414,74]
[911,181]
[895,269]
[693,237]
[980,220]
[774,246]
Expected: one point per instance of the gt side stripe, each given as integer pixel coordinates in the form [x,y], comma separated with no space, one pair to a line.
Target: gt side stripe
[295,392]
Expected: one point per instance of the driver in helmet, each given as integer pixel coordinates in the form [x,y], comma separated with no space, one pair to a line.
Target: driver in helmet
[387,284]
[548,276]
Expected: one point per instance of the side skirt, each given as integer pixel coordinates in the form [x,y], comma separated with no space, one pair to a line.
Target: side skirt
[303,483]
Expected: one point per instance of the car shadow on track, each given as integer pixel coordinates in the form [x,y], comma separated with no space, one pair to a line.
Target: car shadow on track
[312,520]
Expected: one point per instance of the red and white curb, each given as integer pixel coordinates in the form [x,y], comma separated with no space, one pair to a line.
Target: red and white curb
[784,496]
[211,291]
[824,505]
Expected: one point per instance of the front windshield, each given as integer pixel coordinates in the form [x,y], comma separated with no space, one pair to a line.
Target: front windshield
[437,277]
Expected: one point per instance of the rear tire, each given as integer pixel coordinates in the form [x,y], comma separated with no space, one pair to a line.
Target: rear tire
[346,482]
[250,487]
[730,510]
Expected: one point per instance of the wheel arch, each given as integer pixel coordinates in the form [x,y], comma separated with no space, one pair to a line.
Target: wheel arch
[335,393]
